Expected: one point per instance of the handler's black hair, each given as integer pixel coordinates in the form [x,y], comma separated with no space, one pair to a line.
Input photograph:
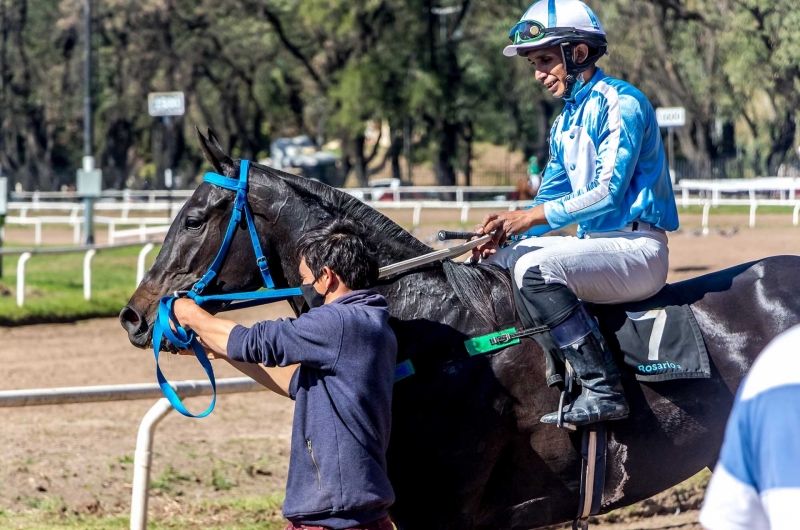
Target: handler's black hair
[342,245]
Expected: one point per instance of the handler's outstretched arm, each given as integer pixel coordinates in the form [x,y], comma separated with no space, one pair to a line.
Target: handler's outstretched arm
[214,333]
[276,379]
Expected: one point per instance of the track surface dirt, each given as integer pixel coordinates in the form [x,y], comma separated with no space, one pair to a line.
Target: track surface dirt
[82,454]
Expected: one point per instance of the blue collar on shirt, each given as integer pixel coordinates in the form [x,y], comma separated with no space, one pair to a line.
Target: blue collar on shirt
[581,94]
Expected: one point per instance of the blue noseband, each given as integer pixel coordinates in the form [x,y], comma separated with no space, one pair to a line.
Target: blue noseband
[186,340]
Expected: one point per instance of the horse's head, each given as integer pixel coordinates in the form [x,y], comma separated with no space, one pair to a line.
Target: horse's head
[197,233]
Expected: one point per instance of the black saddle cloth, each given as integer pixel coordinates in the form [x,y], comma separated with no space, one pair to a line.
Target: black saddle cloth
[681,352]
[658,338]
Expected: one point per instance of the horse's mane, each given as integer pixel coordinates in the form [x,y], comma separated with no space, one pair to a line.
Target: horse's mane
[328,203]
[471,283]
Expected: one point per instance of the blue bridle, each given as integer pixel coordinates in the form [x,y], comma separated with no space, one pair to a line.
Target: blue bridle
[186,340]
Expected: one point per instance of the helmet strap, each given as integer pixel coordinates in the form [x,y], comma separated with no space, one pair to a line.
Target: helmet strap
[574,70]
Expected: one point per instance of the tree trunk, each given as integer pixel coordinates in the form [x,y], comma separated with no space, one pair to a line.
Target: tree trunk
[359,161]
[468,138]
[397,140]
[446,153]
[4,127]
[408,147]
[782,143]
[114,159]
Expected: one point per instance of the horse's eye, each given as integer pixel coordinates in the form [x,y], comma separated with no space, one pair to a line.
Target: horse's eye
[193,223]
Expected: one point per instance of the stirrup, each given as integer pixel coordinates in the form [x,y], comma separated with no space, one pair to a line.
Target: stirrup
[581,524]
[566,398]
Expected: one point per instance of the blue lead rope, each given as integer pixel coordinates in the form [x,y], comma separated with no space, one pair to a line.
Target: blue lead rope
[186,340]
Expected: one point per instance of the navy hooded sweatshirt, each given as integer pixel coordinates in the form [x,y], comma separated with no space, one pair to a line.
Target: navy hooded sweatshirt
[342,419]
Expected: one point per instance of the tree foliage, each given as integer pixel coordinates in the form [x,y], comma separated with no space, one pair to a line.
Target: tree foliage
[433,70]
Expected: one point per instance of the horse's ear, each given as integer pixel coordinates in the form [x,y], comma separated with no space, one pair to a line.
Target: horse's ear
[213,138]
[213,152]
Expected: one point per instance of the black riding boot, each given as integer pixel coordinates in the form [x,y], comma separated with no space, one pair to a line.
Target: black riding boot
[576,334]
[601,398]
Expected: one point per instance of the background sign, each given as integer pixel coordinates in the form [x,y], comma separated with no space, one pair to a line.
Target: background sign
[165,104]
[90,182]
[671,116]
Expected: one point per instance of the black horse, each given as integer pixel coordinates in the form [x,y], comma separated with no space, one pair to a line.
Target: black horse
[467,448]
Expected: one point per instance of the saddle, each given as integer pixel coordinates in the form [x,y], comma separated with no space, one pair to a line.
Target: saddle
[657,339]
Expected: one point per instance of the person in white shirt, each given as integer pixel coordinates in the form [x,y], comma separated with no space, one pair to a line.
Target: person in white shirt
[756,483]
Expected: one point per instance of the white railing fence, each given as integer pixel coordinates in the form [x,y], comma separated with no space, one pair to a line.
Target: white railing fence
[90,251]
[143,233]
[143,455]
[138,197]
[706,193]
[75,219]
[785,187]
[707,204]
[140,262]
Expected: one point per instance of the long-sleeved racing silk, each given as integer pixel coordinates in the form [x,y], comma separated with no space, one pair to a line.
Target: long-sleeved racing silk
[607,166]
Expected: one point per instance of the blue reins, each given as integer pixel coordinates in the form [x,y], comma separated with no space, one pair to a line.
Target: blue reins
[186,340]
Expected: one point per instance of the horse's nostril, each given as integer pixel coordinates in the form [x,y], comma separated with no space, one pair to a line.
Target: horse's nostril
[130,319]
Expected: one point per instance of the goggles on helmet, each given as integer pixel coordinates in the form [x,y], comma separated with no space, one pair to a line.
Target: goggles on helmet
[526,31]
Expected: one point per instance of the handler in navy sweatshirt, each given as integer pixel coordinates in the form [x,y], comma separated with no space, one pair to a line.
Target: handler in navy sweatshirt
[346,354]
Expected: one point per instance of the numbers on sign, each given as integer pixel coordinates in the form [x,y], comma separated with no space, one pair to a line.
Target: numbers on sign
[660,322]
[166,103]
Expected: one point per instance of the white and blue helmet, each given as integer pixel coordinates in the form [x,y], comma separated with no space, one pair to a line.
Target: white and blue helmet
[550,22]
[563,23]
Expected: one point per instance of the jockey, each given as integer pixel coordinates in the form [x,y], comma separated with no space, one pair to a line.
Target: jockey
[607,173]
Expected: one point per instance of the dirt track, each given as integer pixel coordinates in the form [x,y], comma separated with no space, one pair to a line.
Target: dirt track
[82,453]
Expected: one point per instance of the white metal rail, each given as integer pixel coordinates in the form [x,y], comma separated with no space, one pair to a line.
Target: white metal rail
[753,204]
[152,196]
[140,262]
[786,187]
[143,233]
[156,199]
[90,251]
[114,234]
[143,456]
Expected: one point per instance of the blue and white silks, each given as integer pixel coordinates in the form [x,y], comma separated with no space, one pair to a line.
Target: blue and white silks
[756,483]
[607,166]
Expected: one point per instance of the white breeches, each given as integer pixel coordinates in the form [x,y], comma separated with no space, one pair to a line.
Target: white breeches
[604,268]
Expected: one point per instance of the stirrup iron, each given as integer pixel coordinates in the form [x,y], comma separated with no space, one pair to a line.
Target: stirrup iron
[566,398]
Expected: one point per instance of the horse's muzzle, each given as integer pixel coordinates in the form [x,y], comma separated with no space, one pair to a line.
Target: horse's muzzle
[136,326]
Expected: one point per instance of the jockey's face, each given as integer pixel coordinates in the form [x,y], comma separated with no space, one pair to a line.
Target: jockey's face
[550,70]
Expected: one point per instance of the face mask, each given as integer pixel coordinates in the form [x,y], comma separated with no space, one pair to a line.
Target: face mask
[312,297]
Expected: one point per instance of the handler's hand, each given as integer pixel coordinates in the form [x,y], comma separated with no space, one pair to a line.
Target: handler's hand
[184,309]
[211,354]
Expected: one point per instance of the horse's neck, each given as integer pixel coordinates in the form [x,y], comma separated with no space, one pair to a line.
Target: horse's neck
[390,252]
[307,207]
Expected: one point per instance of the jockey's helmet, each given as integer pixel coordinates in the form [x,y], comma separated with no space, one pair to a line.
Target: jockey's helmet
[566,23]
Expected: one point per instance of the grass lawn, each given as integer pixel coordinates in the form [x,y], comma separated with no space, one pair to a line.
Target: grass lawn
[248,513]
[54,286]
